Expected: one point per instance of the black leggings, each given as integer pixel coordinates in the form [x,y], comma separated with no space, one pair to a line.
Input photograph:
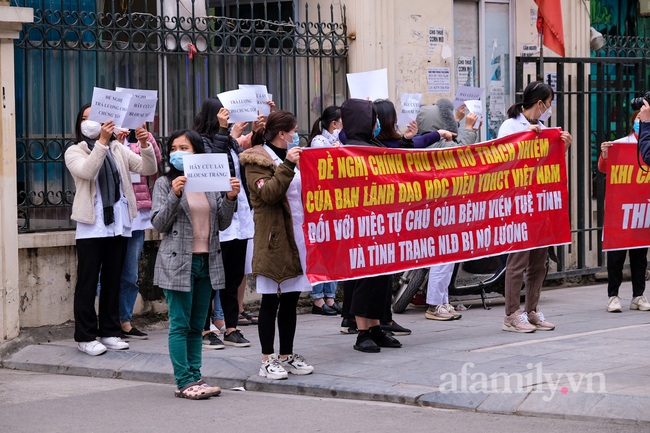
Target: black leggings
[288,302]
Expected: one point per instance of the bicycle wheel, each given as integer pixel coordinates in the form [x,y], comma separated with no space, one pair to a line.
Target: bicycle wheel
[413,282]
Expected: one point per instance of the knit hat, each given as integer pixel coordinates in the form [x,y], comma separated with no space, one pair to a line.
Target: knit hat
[438,116]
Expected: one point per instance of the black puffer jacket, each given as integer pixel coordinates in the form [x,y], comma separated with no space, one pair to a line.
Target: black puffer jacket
[359,119]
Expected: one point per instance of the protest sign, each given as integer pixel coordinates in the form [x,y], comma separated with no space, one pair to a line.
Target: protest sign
[465,93]
[410,107]
[476,107]
[627,192]
[371,211]
[262,96]
[242,105]
[372,84]
[109,105]
[142,102]
[207,172]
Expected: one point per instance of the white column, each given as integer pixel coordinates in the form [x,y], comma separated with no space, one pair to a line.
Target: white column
[11,21]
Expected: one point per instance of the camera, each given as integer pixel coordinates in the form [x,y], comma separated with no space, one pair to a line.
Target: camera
[637,103]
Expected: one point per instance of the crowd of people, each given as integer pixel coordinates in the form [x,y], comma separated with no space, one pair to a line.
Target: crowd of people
[211,240]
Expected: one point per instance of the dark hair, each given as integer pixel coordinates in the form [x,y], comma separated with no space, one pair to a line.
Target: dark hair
[533,93]
[387,119]
[77,126]
[277,122]
[206,122]
[195,140]
[330,114]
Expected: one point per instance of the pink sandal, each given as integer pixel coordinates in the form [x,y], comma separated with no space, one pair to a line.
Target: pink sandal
[193,391]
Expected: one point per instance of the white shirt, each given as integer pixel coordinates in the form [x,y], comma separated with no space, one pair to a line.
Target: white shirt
[265,285]
[325,139]
[518,124]
[241,226]
[120,227]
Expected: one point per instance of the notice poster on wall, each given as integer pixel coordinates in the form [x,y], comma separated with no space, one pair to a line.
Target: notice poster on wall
[439,80]
[436,37]
[465,71]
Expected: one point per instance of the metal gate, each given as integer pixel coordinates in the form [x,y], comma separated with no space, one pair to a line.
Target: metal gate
[188,50]
[593,103]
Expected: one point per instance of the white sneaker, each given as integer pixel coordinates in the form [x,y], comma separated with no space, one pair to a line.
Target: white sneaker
[296,364]
[114,343]
[272,369]
[640,303]
[92,348]
[451,310]
[614,305]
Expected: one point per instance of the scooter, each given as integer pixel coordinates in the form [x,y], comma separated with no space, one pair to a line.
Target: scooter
[474,277]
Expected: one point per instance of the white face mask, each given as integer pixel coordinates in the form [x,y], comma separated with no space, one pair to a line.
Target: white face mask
[91,129]
[546,114]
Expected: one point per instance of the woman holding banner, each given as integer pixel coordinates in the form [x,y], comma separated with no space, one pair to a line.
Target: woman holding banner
[103,207]
[616,258]
[367,297]
[528,114]
[279,254]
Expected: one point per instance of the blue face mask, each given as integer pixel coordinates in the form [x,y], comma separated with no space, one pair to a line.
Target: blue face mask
[636,127]
[295,141]
[176,159]
[377,129]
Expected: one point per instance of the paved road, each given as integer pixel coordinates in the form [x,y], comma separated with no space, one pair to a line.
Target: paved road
[37,402]
[594,366]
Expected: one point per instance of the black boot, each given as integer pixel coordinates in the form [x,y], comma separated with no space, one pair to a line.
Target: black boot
[365,343]
[382,339]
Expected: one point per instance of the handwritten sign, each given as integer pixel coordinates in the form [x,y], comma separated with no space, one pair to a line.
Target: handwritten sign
[242,105]
[370,85]
[410,107]
[207,172]
[262,95]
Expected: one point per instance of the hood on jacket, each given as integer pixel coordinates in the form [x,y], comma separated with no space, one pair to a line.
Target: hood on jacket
[435,117]
[359,118]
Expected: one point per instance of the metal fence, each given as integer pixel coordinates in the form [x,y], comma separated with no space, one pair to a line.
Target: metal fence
[593,103]
[188,50]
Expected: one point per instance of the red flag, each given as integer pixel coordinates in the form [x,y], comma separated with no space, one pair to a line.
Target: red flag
[549,22]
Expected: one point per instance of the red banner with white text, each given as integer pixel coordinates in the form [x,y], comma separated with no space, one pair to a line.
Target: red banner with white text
[371,210]
[627,206]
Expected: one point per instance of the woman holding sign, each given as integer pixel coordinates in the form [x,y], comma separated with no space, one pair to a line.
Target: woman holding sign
[616,258]
[103,207]
[529,114]
[279,254]
[188,264]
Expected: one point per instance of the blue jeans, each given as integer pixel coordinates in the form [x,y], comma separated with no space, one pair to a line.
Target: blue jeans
[324,290]
[129,281]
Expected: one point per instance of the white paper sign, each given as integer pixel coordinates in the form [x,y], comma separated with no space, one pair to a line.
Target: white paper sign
[109,105]
[465,71]
[139,111]
[371,84]
[497,99]
[436,37]
[242,105]
[475,106]
[262,95]
[410,107]
[439,80]
[145,97]
[465,93]
[207,172]
[139,93]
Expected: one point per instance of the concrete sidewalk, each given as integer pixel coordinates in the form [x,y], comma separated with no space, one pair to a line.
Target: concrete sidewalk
[593,366]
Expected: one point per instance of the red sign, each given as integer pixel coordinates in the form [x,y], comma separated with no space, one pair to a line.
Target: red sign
[371,210]
[627,204]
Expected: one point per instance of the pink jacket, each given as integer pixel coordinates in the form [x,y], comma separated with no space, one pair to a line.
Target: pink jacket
[141,189]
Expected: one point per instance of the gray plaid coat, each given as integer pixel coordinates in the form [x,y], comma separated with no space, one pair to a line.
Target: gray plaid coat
[170,215]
